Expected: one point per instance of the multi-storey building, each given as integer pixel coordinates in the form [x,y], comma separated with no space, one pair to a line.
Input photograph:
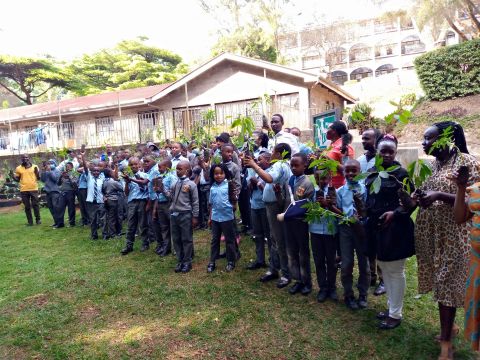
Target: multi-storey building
[352,51]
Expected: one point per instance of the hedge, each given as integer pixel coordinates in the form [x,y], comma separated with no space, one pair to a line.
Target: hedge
[450,72]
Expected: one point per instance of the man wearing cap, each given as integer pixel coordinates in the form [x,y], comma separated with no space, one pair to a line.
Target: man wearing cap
[27,175]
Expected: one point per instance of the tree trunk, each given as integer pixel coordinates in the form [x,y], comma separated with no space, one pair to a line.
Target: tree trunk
[455,28]
[15,94]
[471,11]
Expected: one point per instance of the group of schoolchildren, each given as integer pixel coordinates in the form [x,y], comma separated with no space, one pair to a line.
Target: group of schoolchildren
[164,194]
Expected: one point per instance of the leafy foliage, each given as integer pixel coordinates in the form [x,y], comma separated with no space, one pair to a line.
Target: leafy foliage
[418,172]
[29,78]
[444,140]
[246,126]
[315,213]
[450,72]
[362,117]
[381,173]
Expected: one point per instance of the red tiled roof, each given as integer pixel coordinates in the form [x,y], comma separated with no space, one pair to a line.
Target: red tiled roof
[81,104]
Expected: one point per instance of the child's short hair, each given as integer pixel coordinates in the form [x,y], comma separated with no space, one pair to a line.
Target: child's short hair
[283,148]
[108,172]
[228,174]
[227,145]
[301,156]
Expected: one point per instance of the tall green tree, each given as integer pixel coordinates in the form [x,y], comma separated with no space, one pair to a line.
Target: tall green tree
[28,78]
[130,64]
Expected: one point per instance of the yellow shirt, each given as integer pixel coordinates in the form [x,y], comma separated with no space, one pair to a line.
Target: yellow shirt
[28,179]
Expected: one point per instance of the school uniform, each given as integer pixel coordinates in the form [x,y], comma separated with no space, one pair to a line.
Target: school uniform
[68,188]
[136,214]
[50,181]
[203,196]
[323,244]
[82,198]
[261,230]
[110,190]
[351,242]
[122,198]
[162,222]
[95,205]
[280,172]
[151,230]
[298,247]
[184,206]
[222,221]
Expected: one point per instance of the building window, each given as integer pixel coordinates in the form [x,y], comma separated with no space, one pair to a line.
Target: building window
[337,56]
[450,38]
[384,69]
[309,62]
[359,52]
[384,26]
[339,77]
[104,126]
[361,73]
[65,131]
[412,45]
[3,139]
[148,119]
[384,50]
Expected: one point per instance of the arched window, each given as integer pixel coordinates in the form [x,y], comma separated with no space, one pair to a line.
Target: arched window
[361,73]
[339,77]
[360,52]
[412,45]
[384,69]
[385,48]
[450,38]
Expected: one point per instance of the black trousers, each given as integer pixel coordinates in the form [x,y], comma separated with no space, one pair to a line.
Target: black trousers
[112,224]
[203,194]
[96,212]
[67,201]
[82,202]
[162,227]
[137,218]
[324,252]
[298,250]
[182,236]
[53,204]
[244,207]
[228,230]
[30,200]
[261,231]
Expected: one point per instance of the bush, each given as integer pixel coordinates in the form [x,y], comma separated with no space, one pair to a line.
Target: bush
[450,72]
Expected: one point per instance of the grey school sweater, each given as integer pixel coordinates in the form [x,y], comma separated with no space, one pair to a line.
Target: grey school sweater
[184,197]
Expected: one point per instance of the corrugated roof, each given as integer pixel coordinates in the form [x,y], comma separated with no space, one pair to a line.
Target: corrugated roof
[127,97]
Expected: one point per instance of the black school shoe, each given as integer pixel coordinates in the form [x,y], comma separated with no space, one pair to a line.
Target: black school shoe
[322,296]
[362,302]
[144,248]
[126,250]
[283,282]
[333,295]
[307,289]
[211,267]
[351,303]
[296,288]
[178,267]
[389,323]
[230,266]
[380,290]
[255,266]
[269,276]
[186,268]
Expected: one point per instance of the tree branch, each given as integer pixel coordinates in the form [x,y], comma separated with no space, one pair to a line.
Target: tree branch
[471,12]
[13,93]
[455,28]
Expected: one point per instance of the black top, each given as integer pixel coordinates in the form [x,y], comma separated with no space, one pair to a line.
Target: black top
[396,241]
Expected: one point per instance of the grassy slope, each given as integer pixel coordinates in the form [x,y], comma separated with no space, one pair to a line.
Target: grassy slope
[63,296]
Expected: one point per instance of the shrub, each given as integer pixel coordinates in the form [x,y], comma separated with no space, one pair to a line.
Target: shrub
[450,72]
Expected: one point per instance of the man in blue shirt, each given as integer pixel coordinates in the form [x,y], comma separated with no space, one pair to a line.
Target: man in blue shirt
[136,189]
[82,198]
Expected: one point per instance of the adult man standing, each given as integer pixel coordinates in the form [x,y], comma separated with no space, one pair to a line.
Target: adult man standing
[28,175]
[71,158]
[281,137]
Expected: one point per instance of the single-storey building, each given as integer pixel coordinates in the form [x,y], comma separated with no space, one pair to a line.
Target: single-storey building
[227,85]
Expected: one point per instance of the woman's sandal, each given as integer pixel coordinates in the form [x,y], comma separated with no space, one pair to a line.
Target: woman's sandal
[446,350]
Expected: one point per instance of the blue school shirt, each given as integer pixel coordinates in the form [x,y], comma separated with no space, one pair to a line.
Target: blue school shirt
[93,195]
[326,226]
[256,196]
[222,209]
[345,196]
[280,172]
[169,180]
[82,181]
[138,192]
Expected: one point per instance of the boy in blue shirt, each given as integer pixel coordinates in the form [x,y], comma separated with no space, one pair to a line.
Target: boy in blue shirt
[350,242]
[95,206]
[322,238]
[82,198]
[261,230]
[162,181]
[136,190]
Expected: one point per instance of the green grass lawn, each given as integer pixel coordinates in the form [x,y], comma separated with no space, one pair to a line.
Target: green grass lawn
[64,296]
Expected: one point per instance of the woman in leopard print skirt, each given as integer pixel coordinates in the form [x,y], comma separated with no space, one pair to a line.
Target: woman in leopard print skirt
[441,245]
